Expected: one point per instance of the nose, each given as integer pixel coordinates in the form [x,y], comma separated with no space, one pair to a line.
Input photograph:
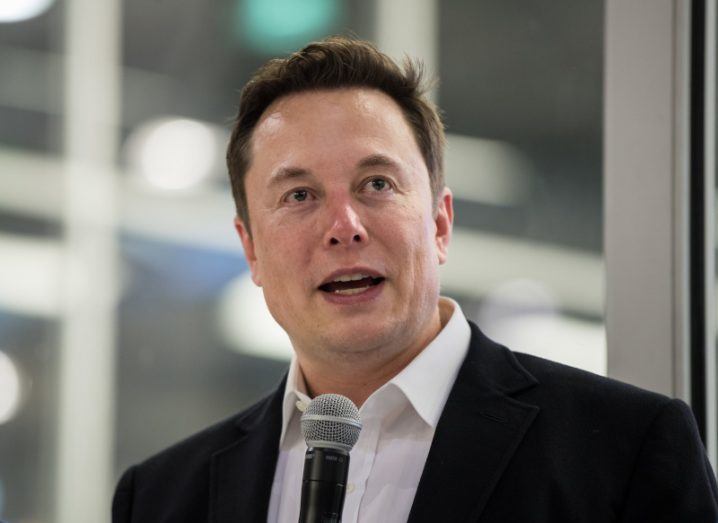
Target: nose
[346,228]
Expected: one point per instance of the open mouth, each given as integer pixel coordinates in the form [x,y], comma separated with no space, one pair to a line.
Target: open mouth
[351,284]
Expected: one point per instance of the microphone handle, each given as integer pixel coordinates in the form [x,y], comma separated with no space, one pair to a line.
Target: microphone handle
[323,485]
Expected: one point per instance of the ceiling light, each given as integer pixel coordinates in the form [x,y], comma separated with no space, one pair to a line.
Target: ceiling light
[173,153]
[9,388]
[19,10]
[281,26]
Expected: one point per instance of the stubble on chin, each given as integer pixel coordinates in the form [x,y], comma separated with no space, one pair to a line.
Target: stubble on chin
[354,349]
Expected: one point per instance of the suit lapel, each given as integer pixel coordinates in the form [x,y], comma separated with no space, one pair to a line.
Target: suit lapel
[242,473]
[478,432]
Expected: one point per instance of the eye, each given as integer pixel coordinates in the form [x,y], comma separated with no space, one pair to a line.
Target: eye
[378,185]
[297,196]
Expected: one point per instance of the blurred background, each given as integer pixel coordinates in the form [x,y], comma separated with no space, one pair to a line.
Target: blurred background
[127,316]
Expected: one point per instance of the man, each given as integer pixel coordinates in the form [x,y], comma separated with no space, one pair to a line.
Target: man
[336,169]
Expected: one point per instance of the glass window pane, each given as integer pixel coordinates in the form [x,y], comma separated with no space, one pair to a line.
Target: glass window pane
[30,248]
[521,87]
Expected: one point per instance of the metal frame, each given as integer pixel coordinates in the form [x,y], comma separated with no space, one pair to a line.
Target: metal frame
[709,204]
[646,193]
[85,433]
[647,171]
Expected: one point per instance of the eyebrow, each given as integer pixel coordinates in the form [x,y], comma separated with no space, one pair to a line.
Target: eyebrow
[287,173]
[283,174]
[377,160]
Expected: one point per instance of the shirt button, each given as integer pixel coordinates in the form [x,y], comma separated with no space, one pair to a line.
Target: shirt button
[350,487]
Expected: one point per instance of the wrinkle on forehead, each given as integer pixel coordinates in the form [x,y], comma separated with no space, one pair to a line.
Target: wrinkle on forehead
[378,109]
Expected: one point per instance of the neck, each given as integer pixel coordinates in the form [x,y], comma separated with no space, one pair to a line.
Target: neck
[357,376]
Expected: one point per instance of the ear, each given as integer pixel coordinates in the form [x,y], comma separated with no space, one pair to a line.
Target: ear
[444,220]
[249,253]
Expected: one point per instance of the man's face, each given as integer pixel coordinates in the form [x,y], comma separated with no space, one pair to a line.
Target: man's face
[344,240]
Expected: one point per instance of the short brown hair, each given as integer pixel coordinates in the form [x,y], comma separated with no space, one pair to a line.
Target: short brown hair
[334,63]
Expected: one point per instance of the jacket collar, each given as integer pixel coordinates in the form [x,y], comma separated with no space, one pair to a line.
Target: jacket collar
[241,474]
[479,430]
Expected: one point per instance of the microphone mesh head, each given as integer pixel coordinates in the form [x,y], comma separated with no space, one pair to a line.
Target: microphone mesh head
[331,420]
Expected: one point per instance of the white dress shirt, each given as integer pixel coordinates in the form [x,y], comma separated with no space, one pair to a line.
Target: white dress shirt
[399,420]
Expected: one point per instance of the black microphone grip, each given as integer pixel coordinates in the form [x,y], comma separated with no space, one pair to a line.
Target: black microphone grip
[324,485]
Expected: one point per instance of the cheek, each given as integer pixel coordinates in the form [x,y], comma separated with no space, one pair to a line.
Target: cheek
[284,259]
[426,253]
[412,243]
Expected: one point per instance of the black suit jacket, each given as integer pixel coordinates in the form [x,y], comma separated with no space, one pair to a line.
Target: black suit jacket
[521,439]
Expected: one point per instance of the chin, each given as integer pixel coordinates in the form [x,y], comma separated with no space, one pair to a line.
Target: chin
[359,340]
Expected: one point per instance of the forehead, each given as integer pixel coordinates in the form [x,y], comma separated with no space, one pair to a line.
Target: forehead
[332,118]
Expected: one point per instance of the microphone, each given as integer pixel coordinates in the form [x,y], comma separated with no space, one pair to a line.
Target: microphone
[331,427]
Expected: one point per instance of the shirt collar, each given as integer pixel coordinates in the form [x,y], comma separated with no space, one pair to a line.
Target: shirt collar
[295,395]
[426,381]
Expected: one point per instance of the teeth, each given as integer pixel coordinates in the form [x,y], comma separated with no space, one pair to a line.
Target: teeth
[352,277]
[348,292]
